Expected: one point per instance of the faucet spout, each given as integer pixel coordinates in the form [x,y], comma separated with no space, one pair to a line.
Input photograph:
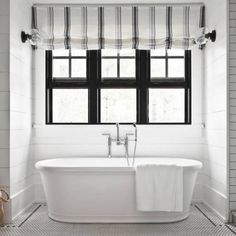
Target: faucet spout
[117,133]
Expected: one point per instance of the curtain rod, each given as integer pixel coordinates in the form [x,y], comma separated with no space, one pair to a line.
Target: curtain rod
[116,4]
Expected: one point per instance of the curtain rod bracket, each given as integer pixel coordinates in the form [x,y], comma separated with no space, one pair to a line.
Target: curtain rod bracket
[203,39]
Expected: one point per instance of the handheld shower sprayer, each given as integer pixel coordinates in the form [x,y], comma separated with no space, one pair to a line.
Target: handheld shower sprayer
[135,142]
[135,132]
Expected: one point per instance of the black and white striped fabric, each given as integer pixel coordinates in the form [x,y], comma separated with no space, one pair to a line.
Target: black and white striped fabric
[99,27]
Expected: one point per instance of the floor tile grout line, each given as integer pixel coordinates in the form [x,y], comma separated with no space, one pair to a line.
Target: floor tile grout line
[214,217]
[198,208]
[227,226]
[29,216]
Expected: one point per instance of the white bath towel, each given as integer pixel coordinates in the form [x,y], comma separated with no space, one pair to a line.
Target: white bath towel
[159,187]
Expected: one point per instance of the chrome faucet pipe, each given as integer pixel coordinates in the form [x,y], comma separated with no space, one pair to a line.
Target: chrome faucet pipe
[135,132]
[135,142]
[117,133]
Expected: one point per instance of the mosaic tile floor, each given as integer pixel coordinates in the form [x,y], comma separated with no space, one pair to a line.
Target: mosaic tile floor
[35,222]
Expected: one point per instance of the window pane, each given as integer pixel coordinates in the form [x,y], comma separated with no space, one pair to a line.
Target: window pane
[158,68]
[60,68]
[175,52]
[127,67]
[176,68]
[166,105]
[109,68]
[122,52]
[118,105]
[127,52]
[60,53]
[70,105]
[81,53]
[158,52]
[78,68]
[109,52]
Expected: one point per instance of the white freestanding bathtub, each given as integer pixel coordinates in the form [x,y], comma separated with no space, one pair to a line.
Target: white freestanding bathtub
[103,189]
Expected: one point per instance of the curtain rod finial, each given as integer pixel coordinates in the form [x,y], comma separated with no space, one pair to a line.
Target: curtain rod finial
[24,36]
[211,36]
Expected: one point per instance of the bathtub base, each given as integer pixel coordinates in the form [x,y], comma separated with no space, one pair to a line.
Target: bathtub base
[159,218]
[104,191]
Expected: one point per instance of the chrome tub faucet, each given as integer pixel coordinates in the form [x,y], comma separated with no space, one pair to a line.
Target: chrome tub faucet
[122,141]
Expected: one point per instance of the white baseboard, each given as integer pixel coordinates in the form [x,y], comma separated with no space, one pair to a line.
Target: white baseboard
[21,201]
[216,201]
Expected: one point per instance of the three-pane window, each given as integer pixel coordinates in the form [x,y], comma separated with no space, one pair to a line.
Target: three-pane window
[126,86]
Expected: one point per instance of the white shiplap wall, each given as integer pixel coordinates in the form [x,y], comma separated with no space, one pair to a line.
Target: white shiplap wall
[15,106]
[21,178]
[215,110]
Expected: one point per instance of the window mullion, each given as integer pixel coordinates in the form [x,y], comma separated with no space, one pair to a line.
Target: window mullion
[188,99]
[142,74]
[49,90]
[92,76]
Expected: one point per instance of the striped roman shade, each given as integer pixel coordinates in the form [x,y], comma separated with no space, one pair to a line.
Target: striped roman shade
[137,27]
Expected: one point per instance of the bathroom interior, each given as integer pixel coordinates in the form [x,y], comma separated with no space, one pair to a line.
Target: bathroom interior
[118,117]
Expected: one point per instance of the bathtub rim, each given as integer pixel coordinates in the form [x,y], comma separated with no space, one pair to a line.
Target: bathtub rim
[42,165]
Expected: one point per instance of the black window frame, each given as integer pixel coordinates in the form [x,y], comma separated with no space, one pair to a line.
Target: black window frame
[94,83]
